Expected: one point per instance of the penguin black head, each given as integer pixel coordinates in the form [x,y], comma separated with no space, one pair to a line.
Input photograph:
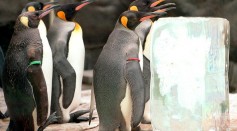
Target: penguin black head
[67,12]
[150,6]
[35,6]
[131,19]
[32,19]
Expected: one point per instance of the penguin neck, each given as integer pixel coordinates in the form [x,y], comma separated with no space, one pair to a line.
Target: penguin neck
[77,26]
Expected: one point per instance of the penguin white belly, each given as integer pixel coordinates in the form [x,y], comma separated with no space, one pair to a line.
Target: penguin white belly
[126,108]
[47,62]
[140,55]
[34,115]
[76,56]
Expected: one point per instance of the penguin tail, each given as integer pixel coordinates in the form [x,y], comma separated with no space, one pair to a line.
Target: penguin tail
[92,104]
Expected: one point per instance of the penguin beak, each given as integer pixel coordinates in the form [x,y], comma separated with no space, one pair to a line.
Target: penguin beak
[43,13]
[156,3]
[164,8]
[83,3]
[150,15]
[49,4]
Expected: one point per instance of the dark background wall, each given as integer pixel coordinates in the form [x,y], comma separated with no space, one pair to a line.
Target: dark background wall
[99,18]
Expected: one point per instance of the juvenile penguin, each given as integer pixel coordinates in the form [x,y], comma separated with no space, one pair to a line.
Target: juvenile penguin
[47,60]
[118,81]
[24,85]
[156,6]
[65,38]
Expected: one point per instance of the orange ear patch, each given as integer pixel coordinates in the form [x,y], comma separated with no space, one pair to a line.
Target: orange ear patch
[61,15]
[156,3]
[133,8]
[31,8]
[124,21]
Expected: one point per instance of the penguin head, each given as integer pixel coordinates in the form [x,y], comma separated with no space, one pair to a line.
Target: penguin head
[35,6]
[32,19]
[140,5]
[131,19]
[150,6]
[67,12]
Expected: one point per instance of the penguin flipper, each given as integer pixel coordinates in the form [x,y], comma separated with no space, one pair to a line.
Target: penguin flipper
[68,74]
[135,80]
[36,77]
[147,77]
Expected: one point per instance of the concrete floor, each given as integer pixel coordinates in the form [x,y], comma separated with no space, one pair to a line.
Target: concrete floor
[94,125]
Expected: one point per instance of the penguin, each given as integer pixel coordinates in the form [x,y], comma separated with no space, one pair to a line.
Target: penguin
[148,5]
[65,38]
[47,60]
[1,65]
[24,86]
[118,80]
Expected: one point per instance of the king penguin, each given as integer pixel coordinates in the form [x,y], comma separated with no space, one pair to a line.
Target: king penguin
[1,65]
[47,60]
[65,38]
[151,6]
[2,116]
[24,86]
[118,80]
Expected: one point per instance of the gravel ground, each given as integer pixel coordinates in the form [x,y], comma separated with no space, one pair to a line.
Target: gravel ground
[94,125]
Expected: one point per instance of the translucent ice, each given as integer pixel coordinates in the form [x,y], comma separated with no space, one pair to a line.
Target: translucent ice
[189,65]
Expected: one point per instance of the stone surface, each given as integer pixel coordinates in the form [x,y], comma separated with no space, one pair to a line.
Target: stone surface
[94,125]
[189,84]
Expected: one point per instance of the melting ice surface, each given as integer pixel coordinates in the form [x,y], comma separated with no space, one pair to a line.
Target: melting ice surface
[189,66]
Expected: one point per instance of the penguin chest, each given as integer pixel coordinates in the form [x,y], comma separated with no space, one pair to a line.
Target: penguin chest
[140,55]
[76,56]
[47,61]
[126,107]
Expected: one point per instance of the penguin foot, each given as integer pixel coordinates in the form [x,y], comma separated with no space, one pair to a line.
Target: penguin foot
[4,116]
[145,121]
[74,116]
[52,119]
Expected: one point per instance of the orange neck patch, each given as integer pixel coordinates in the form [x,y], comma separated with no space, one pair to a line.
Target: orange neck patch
[124,21]
[31,8]
[133,8]
[77,27]
[61,15]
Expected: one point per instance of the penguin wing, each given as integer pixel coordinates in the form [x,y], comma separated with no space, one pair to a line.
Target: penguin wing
[68,74]
[135,80]
[36,78]
[147,77]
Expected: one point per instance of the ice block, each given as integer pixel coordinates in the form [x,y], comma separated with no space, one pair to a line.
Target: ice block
[189,74]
